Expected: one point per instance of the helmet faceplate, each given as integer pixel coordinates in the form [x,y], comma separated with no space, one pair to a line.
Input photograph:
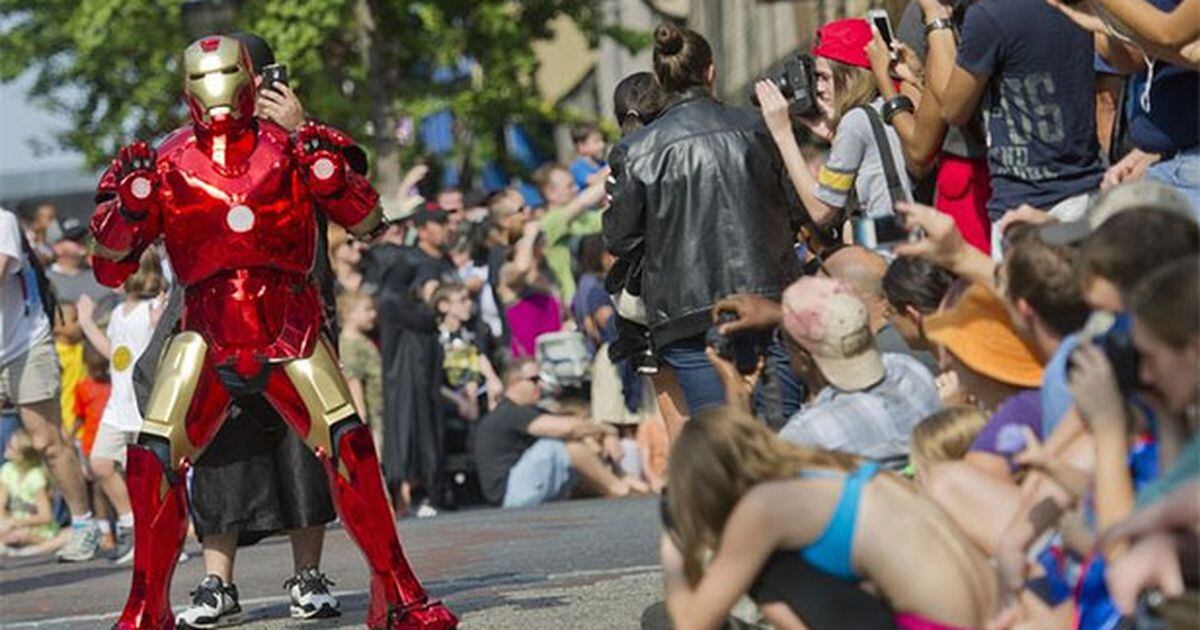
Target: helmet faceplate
[218,84]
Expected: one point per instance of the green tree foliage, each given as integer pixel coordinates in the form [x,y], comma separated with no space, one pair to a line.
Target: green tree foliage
[111,67]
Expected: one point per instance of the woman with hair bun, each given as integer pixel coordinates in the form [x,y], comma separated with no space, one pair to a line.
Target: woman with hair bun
[701,194]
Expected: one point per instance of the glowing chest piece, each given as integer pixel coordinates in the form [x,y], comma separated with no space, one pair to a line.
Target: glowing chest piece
[240,219]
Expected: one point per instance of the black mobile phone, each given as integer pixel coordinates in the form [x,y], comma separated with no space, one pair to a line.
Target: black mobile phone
[879,18]
[274,73]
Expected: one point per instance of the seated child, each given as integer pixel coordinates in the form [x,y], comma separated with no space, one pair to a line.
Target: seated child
[27,523]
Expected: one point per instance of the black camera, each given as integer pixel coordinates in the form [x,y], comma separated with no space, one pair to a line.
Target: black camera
[740,349]
[797,81]
[1118,346]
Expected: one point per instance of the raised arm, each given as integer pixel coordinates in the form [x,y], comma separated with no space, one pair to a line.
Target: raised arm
[921,132]
[1171,30]
[958,84]
[128,213]
[334,169]
[86,308]
[778,119]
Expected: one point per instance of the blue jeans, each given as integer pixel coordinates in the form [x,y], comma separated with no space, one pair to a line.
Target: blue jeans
[702,387]
[542,474]
[1183,173]
[697,378]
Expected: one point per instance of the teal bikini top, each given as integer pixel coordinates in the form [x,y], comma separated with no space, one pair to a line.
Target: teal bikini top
[830,552]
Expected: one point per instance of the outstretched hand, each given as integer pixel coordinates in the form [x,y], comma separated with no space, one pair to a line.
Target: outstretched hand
[755,313]
[738,386]
[941,242]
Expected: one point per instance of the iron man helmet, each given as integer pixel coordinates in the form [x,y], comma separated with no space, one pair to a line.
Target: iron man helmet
[218,83]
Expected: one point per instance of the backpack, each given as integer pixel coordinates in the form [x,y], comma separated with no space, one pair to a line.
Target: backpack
[46,293]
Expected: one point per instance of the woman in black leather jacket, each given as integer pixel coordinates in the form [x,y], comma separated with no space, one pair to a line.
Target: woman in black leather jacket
[701,195]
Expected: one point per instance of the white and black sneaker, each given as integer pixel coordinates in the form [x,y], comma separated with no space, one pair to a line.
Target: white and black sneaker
[83,545]
[214,605]
[310,594]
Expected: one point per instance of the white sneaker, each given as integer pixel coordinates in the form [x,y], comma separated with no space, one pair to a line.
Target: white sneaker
[425,510]
[83,545]
[214,605]
[310,594]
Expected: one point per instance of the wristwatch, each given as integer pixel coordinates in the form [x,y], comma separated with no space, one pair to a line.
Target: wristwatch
[938,24]
[895,105]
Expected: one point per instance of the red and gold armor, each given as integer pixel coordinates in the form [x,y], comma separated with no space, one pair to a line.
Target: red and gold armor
[233,199]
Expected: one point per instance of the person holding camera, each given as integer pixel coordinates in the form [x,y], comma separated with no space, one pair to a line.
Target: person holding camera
[865,172]
[700,194]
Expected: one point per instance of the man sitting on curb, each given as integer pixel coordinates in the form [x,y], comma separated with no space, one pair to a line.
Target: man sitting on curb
[527,457]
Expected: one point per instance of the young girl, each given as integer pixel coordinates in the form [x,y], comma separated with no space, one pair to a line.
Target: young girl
[129,329]
[945,436]
[26,518]
[740,493]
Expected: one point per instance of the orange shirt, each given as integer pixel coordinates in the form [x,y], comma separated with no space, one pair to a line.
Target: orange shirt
[90,397]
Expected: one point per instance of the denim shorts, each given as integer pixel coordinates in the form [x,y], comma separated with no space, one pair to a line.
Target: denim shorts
[542,474]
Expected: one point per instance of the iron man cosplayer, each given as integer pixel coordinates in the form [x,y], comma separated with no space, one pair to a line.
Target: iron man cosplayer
[234,199]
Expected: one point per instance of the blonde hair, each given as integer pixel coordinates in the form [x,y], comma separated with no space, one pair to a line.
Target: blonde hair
[27,457]
[718,457]
[349,300]
[148,281]
[946,435]
[853,86]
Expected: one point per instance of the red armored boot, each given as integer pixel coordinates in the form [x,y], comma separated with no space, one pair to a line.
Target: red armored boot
[160,520]
[398,601]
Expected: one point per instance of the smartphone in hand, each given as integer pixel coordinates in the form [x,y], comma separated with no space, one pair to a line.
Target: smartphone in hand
[879,19]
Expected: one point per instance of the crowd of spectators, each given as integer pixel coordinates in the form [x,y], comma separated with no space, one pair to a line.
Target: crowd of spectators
[718,306]
[1001,387]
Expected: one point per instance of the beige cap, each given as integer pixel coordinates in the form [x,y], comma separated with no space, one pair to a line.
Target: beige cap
[828,320]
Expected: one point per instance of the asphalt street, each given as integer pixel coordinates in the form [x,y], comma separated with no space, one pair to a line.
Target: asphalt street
[579,564]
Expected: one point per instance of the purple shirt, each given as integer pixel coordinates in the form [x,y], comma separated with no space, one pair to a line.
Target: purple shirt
[532,315]
[1002,435]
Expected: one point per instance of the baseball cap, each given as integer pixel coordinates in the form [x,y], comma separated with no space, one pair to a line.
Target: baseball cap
[73,229]
[260,51]
[430,212]
[1138,195]
[829,321]
[845,41]
[977,330]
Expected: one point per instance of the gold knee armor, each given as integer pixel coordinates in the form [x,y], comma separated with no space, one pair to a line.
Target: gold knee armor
[319,381]
[178,375]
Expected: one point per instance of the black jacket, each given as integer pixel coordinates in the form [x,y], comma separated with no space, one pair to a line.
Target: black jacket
[702,194]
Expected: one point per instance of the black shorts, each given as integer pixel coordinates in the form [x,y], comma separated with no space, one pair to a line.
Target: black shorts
[818,598]
[257,478]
